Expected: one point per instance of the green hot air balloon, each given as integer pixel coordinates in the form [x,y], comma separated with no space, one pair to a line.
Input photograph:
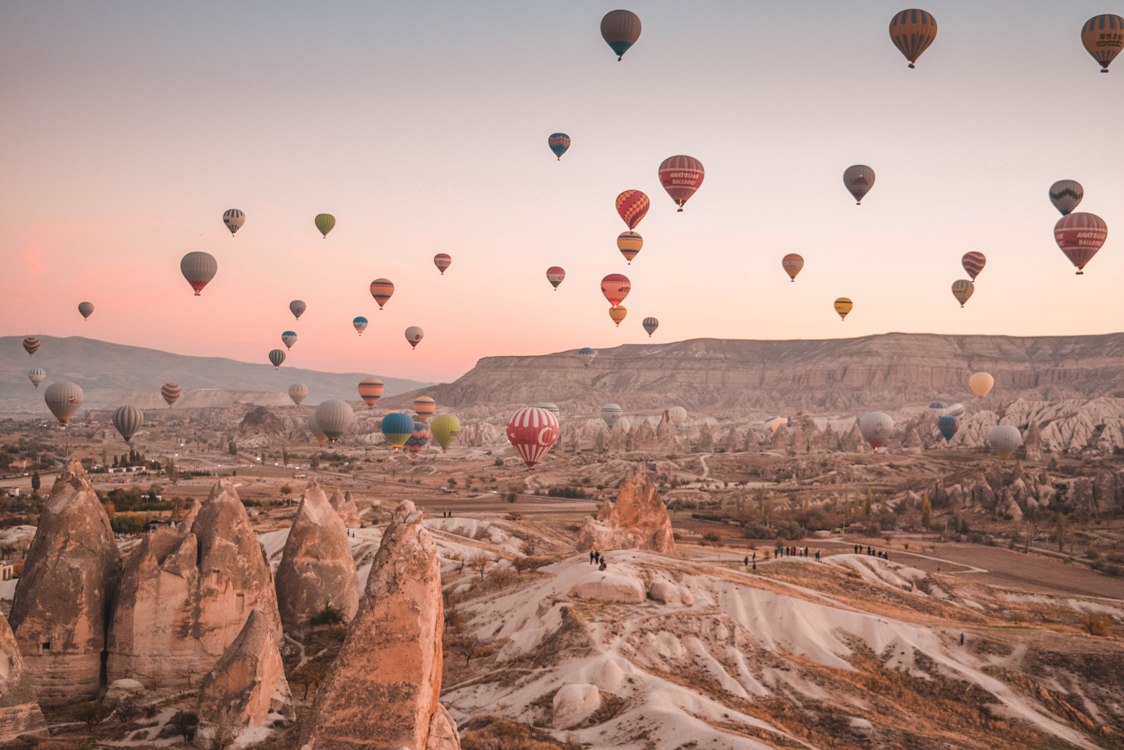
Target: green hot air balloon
[325,222]
[445,428]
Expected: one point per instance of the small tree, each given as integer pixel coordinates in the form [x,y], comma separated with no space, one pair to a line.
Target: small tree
[36,483]
[232,448]
[926,512]
[480,564]
[284,456]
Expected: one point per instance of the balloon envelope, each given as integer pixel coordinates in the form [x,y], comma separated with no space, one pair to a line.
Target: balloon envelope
[843,306]
[981,383]
[876,427]
[947,426]
[234,219]
[681,176]
[555,275]
[955,410]
[1066,195]
[382,290]
[1004,439]
[298,392]
[912,31]
[63,399]
[36,375]
[1103,36]
[1080,236]
[314,428]
[324,222]
[445,428]
[618,313]
[615,287]
[620,29]
[858,180]
[588,355]
[86,309]
[31,345]
[334,417]
[288,338]
[611,413]
[371,390]
[297,308]
[424,407]
[973,263]
[532,432]
[632,205]
[792,263]
[397,428]
[360,324]
[198,268]
[629,243]
[677,414]
[418,438]
[276,357]
[127,420]
[559,143]
[776,423]
[962,290]
[414,335]
[170,392]
[442,261]
[650,325]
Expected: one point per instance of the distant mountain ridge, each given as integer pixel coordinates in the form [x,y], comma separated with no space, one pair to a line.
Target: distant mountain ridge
[110,374]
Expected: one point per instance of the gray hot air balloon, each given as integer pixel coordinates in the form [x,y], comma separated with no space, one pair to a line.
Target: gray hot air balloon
[297,308]
[127,420]
[611,413]
[334,417]
[63,399]
[86,309]
[876,427]
[198,268]
[1004,439]
[298,392]
[858,179]
[234,219]
[1066,195]
[414,335]
[276,357]
[36,375]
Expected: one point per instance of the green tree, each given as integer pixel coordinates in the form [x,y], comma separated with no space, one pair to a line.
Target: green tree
[284,456]
[926,512]
[232,448]
[171,470]
[867,503]
[314,462]
[36,482]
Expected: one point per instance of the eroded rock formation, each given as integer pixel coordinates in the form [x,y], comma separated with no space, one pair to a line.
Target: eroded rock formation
[19,709]
[637,520]
[346,508]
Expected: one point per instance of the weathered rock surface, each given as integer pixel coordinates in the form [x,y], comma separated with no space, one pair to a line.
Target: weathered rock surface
[392,655]
[574,703]
[638,520]
[19,709]
[247,687]
[60,612]
[186,593]
[346,508]
[316,570]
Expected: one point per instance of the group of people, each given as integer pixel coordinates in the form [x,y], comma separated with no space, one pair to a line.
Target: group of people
[596,558]
[880,554]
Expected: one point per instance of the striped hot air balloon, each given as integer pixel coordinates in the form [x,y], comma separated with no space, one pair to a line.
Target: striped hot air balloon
[681,176]
[127,420]
[234,219]
[843,306]
[1103,37]
[632,205]
[334,418]
[792,263]
[276,357]
[325,223]
[31,345]
[620,29]
[63,399]
[170,392]
[615,287]
[382,290]
[198,268]
[418,438]
[1066,195]
[617,314]
[36,375]
[1080,236]
[371,390]
[425,407]
[397,428]
[973,263]
[532,431]
[298,392]
[629,243]
[442,261]
[962,290]
[858,180]
[650,325]
[677,415]
[559,143]
[611,413]
[912,31]
[555,275]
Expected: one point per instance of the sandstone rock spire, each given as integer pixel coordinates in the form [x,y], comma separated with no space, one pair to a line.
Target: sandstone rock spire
[638,520]
[346,508]
[19,710]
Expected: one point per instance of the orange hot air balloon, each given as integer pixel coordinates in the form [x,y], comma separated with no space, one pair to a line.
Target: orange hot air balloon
[973,263]
[371,390]
[617,314]
[912,31]
[981,383]
[554,275]
[381,290]
[632,205]
[1103,37]
[792,263]
[843,306]
[681,176]
[629,243]
[1080,236]
[615,287]
[424,407]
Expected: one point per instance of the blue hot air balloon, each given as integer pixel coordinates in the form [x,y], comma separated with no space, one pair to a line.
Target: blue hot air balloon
[360,324]
[558,143]
[397,428]
[948,426]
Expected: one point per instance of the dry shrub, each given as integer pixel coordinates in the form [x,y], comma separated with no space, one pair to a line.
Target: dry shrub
[495,733]
[1097,624]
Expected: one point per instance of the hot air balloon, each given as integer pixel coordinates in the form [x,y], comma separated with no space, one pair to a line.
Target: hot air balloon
[632,205]
[587,355]
[677,414]
[127,420]
[288,338]
[973,263]
[414,335]
[792,263]
[298,392]
[276,357]
[981,383]
[334,417]
[532,431]
[297,308]
[611,413]
[1066,195]
[360,324]
[776,423]
[1080,236]
[36,375]
[424,407]
[1103,37]
[858,180]
[198,268]
[63,399]
[86,309]
[1004,439]
[629,243]
[559,143]
[843,306]
[650,325]
[442,261]
[371,390]
[620,30]
[445,428]
[170,392]
[615,287]
[617,314]
[382,290]
[876,427]
[234,219]
[955,410]
[962,290]
[554,275]
[31,345]
[397,428]
[681,176]
[418,438]
[324,222]
[314,428]
[936,406]
[912,31]
[550,406]
[947,426]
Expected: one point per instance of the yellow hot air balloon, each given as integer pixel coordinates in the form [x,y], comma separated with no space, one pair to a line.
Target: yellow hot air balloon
[962,290]
[617,314]
[629,243]
[324,222]
[445,428]
[981,383]
[843,306]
